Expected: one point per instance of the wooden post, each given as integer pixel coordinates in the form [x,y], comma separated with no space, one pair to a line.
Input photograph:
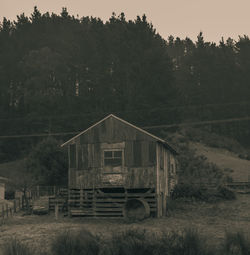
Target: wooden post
[126,195]
[19,203]
[56,211]
[94,202]
[69,203]
[81,198]
[3,211]
[37,191]
[14,205]
[7,209]
[49,205]
[22,201]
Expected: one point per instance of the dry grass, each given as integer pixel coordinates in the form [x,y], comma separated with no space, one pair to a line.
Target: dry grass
[211,220]
[225,160]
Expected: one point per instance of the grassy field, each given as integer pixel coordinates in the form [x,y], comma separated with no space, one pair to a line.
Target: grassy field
[225,160]
[211,221]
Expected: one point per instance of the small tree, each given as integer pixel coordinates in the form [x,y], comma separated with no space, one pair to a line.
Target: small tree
[24,181]
[47,162]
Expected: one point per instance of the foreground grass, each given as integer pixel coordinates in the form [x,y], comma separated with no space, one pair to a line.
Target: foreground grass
[136,242]
[16,247]
[211,220]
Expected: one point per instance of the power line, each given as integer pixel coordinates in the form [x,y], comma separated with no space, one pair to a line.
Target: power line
[196,123]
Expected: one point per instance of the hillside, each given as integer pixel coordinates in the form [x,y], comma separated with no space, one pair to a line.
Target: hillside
[221,151]
[225,159]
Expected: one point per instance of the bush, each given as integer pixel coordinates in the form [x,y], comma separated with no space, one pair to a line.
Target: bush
[173,206]
[225,193]
[199,193]
[236,244]
[189,243]
[189,191]
[131,242]
[15,247]
[75,243]
[139,242]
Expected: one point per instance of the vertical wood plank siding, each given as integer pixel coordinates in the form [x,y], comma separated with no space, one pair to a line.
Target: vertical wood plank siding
[72,153]
[139,155]
[137,149]
[128,154]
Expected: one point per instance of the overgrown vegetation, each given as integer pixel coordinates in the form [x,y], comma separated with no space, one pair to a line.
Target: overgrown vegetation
[47,162]
[135,241]
[194,169]
[75,243]
[202,193]
[236,244]
[199,179]
[16,247]
[130,242]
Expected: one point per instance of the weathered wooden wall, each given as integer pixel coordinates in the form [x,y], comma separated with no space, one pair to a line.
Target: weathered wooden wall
[166,177]
[132,177]
[86,155]
[2,190]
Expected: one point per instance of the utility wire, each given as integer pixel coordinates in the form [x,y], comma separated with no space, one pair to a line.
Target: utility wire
[197,123]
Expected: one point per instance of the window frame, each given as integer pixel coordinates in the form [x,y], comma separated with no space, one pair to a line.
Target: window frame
[112,150]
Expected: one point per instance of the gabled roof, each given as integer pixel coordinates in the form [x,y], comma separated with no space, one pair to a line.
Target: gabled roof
[127,123]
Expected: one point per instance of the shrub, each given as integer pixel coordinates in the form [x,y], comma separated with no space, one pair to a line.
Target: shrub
[225,193]
[236,243]
[173,206]
[15,247]
[188,242]
[131,242]
[139,242]
[75,243]
[202,193]
[189,191]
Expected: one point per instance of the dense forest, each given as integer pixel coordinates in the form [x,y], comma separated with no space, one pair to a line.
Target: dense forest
[59,74]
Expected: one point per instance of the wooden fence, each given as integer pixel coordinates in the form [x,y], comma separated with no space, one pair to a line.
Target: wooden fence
[7,209]
[40,191]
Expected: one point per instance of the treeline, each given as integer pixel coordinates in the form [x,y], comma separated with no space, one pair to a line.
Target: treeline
[60,73]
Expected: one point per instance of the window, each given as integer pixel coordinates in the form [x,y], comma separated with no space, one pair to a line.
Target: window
[113,158]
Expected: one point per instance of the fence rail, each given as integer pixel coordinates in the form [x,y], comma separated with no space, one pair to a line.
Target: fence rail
[7,209]
[40,191]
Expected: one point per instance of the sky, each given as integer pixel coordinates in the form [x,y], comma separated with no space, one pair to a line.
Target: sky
[182,18]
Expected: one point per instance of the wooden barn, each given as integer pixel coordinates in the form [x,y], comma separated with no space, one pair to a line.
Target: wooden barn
[116,168]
